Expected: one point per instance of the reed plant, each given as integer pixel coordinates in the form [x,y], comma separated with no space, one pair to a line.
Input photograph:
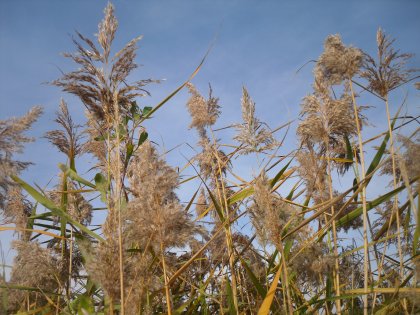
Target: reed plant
[282,239]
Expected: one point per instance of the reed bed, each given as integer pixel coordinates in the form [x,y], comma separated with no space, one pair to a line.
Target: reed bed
[287,241]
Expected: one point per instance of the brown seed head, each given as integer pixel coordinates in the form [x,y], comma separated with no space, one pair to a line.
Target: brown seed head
[269,214]
[203,112]
[388,71]
[68,139]
[338,62]
[155,212]
[36,267]
[12,139]
[251,133]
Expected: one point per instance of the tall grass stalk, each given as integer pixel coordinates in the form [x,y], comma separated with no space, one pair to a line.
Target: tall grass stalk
[334,231]
[394,182]
[366,261]
[118,193]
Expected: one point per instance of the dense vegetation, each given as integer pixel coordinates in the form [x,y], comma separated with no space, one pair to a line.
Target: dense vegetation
[306,248]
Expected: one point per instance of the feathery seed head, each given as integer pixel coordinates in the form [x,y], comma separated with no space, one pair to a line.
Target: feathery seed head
[68,139]
[77,206]
[338,62]
[98,90]
[312,263]
[352,224]
[107,28]
[326,121]
[17,209]
[11,142]
[96,131]
[211,161]
[388,71]
[385,211]
[12,129]
[411,157]
[407,164]
[313,171]
[269,214]
[36,267]
[252,135]
[201,205]
[203,112]
[102,266]
[155,212]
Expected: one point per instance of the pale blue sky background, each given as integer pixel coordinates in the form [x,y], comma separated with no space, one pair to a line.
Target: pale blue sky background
[259,44]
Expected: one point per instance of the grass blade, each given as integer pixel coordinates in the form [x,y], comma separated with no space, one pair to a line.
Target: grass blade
[266,304]
[49,204]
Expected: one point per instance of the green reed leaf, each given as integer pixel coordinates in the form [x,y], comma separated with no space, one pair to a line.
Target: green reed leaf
[49,204]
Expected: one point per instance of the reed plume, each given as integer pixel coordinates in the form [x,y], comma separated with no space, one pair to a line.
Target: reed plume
[34,267]
[203,112]
[12,140]
[252,134]
[337,62]
[388,71]
[155,213]
[67,140]
[270,215]
[100,77]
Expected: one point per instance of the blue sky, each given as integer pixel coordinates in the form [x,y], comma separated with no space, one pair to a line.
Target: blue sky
[259,44]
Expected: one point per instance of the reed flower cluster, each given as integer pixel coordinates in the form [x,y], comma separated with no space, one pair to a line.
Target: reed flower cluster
[100,78]
[270,215]
[34,267]
[388,71]
[155,213]
[67,140]
[12,139]
[338,62]
[203,112]
[76,204]
[252,134]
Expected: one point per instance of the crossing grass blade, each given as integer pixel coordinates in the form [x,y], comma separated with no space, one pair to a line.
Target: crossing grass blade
[268,300]
[49,204]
